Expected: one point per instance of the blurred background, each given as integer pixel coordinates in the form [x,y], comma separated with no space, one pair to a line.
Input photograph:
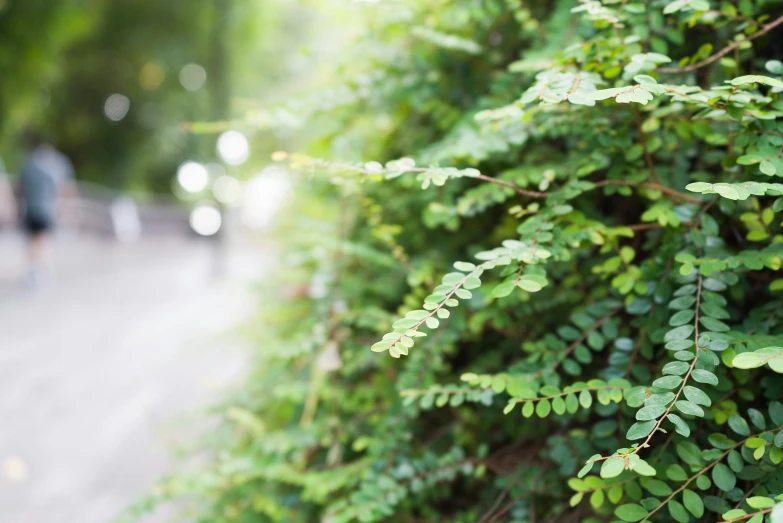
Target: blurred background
[136,193]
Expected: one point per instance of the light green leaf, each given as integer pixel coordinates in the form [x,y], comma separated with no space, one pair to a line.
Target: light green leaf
[755,78]
[640,429]
[612,467]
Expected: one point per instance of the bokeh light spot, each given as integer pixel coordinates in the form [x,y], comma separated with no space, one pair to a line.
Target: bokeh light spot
[192,176]
[192,77]
[151,76]
[233,147]
[264,195]
[116,107]
[205,219]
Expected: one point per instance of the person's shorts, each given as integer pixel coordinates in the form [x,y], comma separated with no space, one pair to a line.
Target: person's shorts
[36,224]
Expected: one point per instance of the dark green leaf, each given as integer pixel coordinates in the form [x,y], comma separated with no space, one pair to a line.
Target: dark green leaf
[692,501]
[723,477]
[739,425]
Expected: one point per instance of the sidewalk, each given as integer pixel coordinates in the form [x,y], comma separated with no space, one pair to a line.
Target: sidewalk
[103,372]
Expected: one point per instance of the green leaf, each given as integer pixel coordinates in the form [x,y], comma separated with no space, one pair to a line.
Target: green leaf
[640,466]
[776,413]
[543,408]
[755,78]
[682,317]
[721,441]
[747,360]
[696,395]
[650,413]
[588,466]
[585,399]
[529,286]
[687,407]
[692,501]
[679,333]
[664,398]
[679,424]
[678,345]
[471,282]
[714,311]
[612,467]
[760,502]
[739,425]
[631,512]
[464,266]
[723,477]
[678,512]
[713,325]
[504,289]
[640,430]
[667,382]
[733,514]
[677,368]
[676,473]
[572,404]
[704,376]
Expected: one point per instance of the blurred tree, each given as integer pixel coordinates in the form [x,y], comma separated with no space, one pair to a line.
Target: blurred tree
[111,82]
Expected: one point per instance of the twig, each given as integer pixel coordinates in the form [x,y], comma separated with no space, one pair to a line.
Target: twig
[723,52]
[654,186]
[687,375]
[704,471]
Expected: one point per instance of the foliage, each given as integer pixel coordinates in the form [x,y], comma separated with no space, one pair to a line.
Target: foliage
[60,61]
[607,345]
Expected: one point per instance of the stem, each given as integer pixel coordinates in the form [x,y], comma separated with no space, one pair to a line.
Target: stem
[748,516]
[421,392]
[706,469]
[436,309]
[518,190]
[685,378]
[654,186]
[723,52]
[567,393]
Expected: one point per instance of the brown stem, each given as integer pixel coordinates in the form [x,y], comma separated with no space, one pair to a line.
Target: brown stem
[654,186]
[723,52]
[748,516]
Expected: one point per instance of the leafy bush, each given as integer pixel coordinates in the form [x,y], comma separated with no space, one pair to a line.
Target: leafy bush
[602,178]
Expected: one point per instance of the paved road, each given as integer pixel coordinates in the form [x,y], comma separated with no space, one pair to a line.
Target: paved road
[101,373]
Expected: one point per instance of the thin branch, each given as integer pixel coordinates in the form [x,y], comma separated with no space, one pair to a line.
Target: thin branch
[748,516]
[723,52]
[518,190]
[705,470]
[654,186]
[687,375]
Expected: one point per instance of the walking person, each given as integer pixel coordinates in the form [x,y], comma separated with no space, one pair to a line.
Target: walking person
[45,175]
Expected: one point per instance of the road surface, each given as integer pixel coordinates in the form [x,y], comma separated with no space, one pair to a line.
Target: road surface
[106,369]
